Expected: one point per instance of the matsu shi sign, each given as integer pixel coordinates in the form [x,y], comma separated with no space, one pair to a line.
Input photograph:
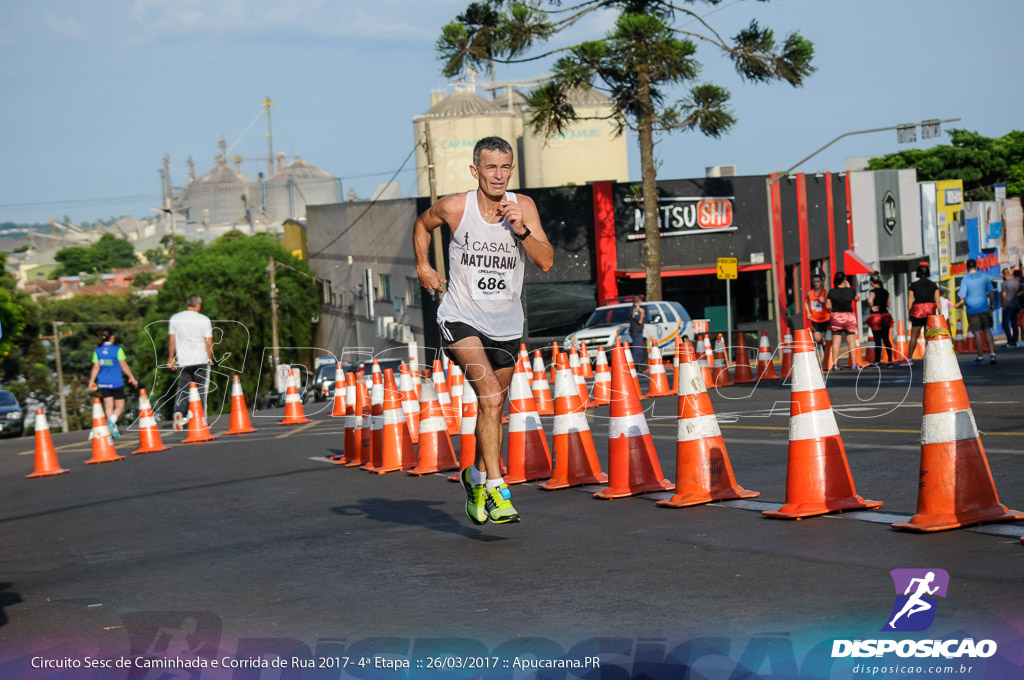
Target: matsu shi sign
[689,215]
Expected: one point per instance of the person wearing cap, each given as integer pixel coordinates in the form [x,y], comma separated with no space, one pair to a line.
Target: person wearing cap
[190,348]
[979,297]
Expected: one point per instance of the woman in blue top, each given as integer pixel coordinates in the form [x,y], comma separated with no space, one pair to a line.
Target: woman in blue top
[108,364]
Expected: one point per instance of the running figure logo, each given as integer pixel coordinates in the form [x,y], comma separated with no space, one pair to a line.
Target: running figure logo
[914,609]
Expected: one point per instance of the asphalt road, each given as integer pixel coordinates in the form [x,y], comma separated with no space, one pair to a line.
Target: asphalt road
[259,536]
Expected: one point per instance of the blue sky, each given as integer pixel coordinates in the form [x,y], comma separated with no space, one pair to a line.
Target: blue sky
[95,93]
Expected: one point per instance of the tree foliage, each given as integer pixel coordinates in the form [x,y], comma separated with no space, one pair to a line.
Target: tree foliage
[978,160]
[639,64]
[23,357]
[109,252]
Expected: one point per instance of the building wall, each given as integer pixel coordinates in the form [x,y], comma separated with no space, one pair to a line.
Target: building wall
[453,140]
[288,200]
[588,151]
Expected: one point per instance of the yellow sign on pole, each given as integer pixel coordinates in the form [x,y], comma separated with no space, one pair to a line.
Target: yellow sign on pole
[727,267]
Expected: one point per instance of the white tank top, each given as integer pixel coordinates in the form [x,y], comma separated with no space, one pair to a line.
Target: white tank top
[485,275]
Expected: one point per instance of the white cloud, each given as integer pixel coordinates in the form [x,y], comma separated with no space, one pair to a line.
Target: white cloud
[65,29]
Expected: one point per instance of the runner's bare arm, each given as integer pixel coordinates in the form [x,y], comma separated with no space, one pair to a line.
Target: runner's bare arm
[432,218]
[523,215]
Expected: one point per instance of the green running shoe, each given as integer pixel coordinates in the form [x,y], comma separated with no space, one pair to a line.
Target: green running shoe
[475,510]
[499,507]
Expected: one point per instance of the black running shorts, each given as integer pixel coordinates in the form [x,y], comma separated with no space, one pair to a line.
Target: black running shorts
[501,353]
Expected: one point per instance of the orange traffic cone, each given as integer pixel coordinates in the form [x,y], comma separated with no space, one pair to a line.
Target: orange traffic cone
[742,373]
[435,452]
[198,428]
[786,369]
[397,452]
[657,385]
[577,376]
[705,359]
[467,438]
[633,466]
[529,457]
[870,353]
[576,460]
[363,448]
[149,436]
[632,370]
[456,380]
[541,388]
[956,487]
[720,371]
[554,362]
[588,369]
[444,397]
[902,346]
[410,403]
[103,450]
[46,456]
[339,393]
[703,470]
[818,478]
[765,366]
[959,344]
[240,423]
[353,424]
[524,354]
[293,412]
[602,380]
[826,359]
[375,460]
[919,347]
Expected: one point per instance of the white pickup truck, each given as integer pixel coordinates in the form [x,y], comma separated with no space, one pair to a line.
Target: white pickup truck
[663,322]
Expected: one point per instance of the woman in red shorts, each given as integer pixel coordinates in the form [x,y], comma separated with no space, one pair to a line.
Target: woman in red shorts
[880,320]
[842,321]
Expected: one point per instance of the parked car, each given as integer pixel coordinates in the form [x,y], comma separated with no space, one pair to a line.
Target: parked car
[664,321]
[12,418]
[322,387]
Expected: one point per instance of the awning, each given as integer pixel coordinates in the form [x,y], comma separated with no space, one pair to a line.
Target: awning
[853,264]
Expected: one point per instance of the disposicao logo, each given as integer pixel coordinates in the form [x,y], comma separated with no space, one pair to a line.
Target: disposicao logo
[914,611]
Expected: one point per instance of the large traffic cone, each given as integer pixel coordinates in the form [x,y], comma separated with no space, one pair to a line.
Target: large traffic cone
[103,450]
[397,451]
[786,369]
[602,380]
[765,365]
[577,376]
[353,424]
[902,346]
[919,347]
[632,370]
[541,388]
[703,470]
[956,487]
[588,369]
[149,436]
[339,393]
[240,423]
[410,402]
[818,478]
[742,372]
[444,397]
[434,452]
[576,459]
[720,370]
[657,385]
[293,412]
[705,359]
[46,456]
[529,457]
[633,465]
[456,381]
[376,421]
[870,353]
[524,354]
[959,345]
[467,438]
[826,359]
[198,428]
[362,453]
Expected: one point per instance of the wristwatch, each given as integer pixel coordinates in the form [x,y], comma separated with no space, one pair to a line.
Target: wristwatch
[522,237]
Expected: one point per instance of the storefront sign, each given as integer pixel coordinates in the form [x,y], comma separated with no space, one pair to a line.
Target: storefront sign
[683,216]
[889,212]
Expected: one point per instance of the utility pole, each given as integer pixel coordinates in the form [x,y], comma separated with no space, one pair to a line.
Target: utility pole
[267,103]
[60,378]
[432,180]
[273,313]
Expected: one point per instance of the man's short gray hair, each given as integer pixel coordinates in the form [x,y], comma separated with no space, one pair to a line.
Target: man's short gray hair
[491,144]
[193,300]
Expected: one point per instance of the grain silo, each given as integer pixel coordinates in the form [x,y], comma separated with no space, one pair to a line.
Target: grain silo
[298,184]
[217,197]
[587,151]
[457,122]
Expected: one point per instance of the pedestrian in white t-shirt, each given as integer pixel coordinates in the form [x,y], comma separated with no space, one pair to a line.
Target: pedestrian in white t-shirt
[191,353]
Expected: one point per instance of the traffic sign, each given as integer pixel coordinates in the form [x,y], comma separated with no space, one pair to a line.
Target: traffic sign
[727,267]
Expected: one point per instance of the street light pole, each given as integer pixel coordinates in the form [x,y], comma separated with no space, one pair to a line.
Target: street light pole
[60,378]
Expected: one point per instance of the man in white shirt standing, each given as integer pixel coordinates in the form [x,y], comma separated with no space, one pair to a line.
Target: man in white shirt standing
[191,353]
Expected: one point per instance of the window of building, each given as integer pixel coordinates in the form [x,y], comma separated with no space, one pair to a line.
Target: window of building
[384,289]
[413,292]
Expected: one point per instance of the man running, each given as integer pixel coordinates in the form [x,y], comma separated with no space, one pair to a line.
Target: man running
[814,310]
[481,315]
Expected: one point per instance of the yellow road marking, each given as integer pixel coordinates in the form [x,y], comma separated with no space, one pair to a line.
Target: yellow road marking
[294,430]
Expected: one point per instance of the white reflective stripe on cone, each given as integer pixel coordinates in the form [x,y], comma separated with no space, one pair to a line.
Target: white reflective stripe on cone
[691,381]
[631,426]
[951,426]
[101,431]
[377,394]
[764,356]
[701,427]
[376,422]
[565,384]
[435,424]
[523,422]
[41,423]
[236,389]
[468,425]
[813,425]
[193,394]
[657,368]
[410,406]
[144,404]
[394,417]
[292,397]
[806,372]
[940,363]
[147,421]
[571,422]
